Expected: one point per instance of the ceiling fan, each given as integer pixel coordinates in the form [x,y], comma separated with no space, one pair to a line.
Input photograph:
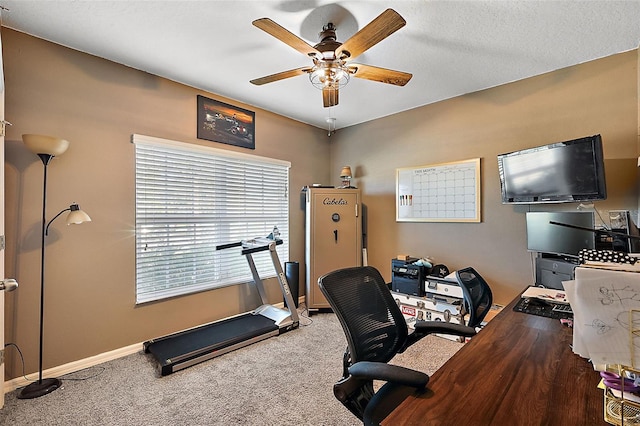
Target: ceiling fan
[332,68]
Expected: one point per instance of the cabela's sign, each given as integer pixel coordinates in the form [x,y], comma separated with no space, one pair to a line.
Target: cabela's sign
[334,202]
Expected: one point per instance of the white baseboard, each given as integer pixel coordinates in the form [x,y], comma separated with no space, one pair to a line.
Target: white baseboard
[72,367]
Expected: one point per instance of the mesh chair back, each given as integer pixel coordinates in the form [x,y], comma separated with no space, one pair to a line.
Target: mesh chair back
[477,295]
[370,317]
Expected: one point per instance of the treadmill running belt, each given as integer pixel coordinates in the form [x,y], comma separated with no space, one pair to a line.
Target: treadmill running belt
[210,337]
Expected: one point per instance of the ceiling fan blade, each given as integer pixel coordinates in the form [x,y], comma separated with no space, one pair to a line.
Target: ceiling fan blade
[329,97]
[285,36]
[383,75]
[280,76]
[387,23]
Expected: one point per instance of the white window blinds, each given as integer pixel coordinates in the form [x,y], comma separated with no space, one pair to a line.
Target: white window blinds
[191,198]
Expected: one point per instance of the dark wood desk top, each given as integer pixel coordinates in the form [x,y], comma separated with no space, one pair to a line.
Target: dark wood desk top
[519,370]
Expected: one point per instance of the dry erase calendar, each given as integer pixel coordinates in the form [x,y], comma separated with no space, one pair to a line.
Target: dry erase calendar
[447,192]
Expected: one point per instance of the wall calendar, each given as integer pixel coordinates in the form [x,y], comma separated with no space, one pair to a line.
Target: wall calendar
[447,192]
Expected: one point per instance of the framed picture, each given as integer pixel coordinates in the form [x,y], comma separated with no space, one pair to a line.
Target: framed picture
[447,192]
[224,123]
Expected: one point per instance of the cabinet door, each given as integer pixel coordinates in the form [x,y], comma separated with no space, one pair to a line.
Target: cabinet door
[336,237]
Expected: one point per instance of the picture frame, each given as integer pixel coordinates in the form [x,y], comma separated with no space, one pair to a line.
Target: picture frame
[445,192]
[224,123]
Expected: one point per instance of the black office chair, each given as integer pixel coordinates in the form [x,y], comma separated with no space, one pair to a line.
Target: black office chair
[376,331]
[477,295]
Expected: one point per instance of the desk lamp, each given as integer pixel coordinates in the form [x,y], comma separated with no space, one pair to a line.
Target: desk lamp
[47,147]
[345,175]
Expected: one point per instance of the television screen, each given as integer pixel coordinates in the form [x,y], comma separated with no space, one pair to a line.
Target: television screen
[545,237]
[571,171]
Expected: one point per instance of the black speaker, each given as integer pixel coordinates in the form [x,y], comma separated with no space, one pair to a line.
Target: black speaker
[292,274]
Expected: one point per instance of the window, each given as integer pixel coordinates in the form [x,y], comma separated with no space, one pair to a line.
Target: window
[191,198]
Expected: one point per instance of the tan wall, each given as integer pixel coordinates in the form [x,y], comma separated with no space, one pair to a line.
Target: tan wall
[595,97]
[90,271]
[97,105]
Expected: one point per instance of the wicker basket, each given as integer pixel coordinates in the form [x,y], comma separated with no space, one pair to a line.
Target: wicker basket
[614,407]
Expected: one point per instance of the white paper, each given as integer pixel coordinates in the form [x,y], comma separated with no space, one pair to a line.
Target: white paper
[578,345]
[602,302]
[547,294]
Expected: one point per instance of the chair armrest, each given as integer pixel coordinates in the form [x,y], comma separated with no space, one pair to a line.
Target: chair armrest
[424,328]
[430,327]
[390,373]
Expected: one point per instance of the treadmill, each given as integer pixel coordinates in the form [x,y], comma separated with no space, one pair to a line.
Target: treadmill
[186,348]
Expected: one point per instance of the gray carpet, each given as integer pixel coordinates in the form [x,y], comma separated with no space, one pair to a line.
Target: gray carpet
[284,380]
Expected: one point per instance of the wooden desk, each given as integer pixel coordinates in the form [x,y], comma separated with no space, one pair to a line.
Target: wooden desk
[519,370]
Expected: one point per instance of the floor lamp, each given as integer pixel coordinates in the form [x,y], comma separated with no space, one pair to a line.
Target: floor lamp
[47,147]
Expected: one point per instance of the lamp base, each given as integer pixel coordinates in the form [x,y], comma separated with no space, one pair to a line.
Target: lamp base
[39,388]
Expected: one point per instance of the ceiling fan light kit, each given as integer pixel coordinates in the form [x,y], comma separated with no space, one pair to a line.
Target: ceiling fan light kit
[332,74]
[331,68]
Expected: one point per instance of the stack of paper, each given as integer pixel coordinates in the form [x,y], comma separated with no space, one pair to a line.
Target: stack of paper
[546,294]
[604,303]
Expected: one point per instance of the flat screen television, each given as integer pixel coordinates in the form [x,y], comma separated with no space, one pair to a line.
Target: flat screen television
[561,172]
[545,237]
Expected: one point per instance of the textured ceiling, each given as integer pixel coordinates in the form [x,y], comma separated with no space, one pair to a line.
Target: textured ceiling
[450,47]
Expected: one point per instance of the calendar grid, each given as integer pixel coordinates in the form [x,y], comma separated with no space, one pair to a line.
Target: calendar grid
[448,192]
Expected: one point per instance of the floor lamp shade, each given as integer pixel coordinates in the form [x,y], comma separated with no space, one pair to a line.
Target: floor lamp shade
[77,216]
[42,144]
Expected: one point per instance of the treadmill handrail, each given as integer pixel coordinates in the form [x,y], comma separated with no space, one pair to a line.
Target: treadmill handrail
[264,247]
[266,242]
[229,245]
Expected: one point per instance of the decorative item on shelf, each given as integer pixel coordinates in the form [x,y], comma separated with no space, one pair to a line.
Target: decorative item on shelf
[346,175]
[47,147]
